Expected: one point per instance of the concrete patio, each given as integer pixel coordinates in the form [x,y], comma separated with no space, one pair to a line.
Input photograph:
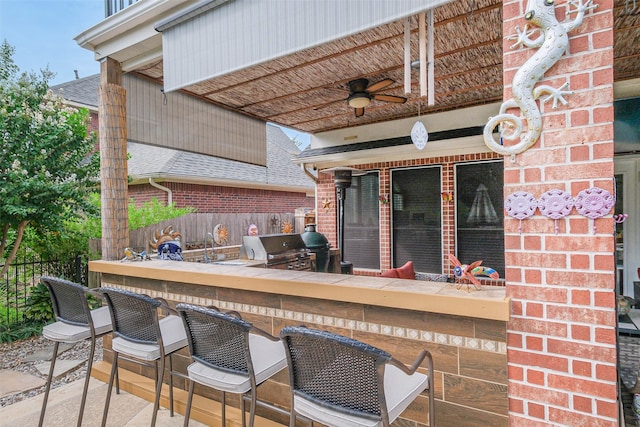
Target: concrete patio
[131,408]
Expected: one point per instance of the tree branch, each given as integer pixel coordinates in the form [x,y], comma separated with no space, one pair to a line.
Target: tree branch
[23,224]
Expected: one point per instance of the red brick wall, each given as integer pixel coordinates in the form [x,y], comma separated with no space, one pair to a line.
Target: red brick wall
[561,338]
[217,199]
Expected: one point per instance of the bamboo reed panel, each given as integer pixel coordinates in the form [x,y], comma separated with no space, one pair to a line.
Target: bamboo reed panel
[113,170]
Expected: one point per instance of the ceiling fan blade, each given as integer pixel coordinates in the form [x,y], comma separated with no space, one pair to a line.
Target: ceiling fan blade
[390,98]
[359,112]
[379,85]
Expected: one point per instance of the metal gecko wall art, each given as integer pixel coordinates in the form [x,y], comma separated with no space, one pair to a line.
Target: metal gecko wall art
[552,42]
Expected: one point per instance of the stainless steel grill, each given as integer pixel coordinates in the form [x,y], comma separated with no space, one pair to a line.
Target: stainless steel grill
[279,251]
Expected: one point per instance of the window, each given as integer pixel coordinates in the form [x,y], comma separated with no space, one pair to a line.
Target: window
[362,222]
[417,218]
[479,214]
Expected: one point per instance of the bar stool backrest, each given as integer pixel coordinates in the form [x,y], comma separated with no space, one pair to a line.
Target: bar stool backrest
[69,301]
[134,316]
[216,339]
[338,372]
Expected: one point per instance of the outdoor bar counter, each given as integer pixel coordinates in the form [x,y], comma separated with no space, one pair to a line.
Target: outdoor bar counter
[464,331]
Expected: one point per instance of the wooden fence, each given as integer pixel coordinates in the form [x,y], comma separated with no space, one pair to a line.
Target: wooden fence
[195,226]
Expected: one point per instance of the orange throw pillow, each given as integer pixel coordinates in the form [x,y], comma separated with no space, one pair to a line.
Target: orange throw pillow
[390,273]
[406,271]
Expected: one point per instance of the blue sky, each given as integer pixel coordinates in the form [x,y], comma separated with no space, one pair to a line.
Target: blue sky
[42,32]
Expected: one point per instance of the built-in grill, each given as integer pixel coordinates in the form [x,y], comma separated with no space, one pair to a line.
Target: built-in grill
[280,251]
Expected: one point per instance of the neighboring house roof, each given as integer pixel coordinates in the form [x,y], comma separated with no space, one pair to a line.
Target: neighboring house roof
[166,164]
[147,161]
[82,92]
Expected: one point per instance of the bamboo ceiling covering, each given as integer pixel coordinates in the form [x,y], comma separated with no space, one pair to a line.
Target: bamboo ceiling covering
[307,90]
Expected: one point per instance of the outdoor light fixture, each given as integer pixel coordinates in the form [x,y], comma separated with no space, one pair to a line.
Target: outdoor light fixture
[359,100]
[342,180]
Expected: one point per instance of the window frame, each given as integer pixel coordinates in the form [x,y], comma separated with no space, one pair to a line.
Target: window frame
[499,210]
[440,168]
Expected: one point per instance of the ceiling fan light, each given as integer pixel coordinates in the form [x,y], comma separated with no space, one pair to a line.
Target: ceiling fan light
[359,100]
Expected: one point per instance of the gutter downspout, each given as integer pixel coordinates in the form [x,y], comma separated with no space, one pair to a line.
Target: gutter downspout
[315,189]
[309,174]
[160,187]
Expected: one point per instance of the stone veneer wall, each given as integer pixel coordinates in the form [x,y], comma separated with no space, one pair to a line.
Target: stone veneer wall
[469,354]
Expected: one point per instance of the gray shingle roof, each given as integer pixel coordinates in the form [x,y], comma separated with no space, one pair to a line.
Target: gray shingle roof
[82,91]
[156,162]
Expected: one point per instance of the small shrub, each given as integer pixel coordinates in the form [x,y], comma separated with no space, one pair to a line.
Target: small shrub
[37,307]
[17,332]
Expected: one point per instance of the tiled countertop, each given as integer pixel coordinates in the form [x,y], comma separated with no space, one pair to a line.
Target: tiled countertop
[436,297]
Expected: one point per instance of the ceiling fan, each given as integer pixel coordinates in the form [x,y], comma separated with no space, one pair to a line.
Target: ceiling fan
[361,93]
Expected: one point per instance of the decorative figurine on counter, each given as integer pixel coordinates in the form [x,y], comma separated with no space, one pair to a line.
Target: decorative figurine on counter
[131,255]
[252,230]
[464,271]
[552,42]
[168,244]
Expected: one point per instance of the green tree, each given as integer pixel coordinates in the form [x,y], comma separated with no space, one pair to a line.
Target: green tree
[46,167]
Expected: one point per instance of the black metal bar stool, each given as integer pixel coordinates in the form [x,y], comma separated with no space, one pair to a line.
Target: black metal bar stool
[230,355]
[339,381]
[140,335]
[75,322]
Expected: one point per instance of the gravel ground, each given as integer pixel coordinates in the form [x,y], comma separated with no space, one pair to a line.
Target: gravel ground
[12,357]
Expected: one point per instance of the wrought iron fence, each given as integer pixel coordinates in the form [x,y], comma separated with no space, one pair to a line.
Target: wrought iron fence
[23,274]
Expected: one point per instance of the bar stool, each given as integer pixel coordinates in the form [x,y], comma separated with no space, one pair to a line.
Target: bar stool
[75,322]
[229,355]
[141,336]
[339,381]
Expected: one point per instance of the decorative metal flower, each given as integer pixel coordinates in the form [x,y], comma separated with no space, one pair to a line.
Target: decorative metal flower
[287,227]
[594,203]
[555,204]
[220,234]
[520,205]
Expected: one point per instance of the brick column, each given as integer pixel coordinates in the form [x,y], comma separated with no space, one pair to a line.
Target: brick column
[112,115]
[326,217]
[561,337]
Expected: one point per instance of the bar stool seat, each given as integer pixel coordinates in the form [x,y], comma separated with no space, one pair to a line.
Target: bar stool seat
[70,334]
[173,339]
[271,361]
